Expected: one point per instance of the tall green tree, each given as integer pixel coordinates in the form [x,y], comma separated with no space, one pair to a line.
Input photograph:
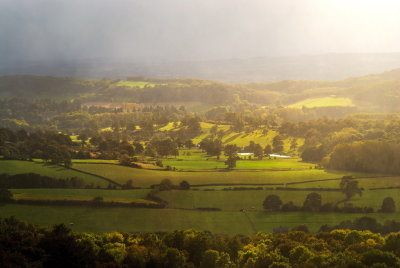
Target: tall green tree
[272,202]
[231,151]
[313,202]
[258,151]
[349,187]
[277,144]
[388,205]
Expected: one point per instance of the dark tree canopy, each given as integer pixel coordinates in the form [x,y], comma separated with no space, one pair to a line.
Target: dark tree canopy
[349,186]
[272,202]
[313,202]
[388,205]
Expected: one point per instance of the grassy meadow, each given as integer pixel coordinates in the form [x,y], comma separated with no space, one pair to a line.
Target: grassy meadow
[100,220]
[123,196]
[208,177]
[323,102]
[16,167]
[146,177]
[253,199]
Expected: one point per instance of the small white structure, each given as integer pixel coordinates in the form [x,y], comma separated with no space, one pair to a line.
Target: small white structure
[279,156]
[245,154]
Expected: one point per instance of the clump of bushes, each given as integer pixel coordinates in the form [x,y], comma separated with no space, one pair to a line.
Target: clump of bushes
[313,203]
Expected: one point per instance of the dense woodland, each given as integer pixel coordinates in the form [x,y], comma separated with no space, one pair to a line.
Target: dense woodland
[369,244]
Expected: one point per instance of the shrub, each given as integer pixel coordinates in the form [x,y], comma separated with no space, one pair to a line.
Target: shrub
[5,195]
[184,185]
[165,185]
[388,205]
[159,163]
[272,202]
[313,202]
[289,206]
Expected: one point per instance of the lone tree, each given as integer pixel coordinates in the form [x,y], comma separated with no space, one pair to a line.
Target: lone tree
[258,151]
[272,202]
[388,205]
[184,185]
[213,147]
[349,186]
[231,151]
[268,149]
[313,202]
[166,185]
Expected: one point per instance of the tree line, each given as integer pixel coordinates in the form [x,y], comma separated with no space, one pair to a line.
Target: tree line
[27,245]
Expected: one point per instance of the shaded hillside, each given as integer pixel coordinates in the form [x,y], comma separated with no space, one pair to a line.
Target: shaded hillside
[377,93]
[372,93]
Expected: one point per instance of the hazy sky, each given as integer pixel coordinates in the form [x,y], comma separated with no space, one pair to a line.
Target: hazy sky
[194,29]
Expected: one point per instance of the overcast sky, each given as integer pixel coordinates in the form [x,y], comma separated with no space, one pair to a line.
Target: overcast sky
[195,29]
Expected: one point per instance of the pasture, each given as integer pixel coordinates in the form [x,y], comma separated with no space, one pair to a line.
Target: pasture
[253,199]
[132,84]
[265,164]
[17,167]
[322,102]
[146,178]
[100,220]
[122,196]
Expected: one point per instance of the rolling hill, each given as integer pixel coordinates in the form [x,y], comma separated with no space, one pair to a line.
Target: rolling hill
[371,93]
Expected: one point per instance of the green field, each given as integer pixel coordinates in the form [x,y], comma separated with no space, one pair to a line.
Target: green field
[253,199]
[16,167]
[100,220]
[366,183]
[133,84]
[273,164]
[323,102]
[145,178]
[94,161]
[123,196]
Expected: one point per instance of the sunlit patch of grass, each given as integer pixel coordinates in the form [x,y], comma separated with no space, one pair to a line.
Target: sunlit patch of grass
[133,84]
[322,102]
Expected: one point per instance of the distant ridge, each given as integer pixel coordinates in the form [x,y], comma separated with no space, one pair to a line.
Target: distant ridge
[262,69]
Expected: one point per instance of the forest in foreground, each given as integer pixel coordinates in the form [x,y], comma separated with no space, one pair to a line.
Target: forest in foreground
[27,245]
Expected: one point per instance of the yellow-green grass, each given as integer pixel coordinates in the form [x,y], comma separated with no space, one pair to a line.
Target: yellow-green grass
[133,84]
[100,220]
[74,138]
[290,164]
[95,161]
[323,102]
[366,183]
[236,200]
[123,196]
[13,167]
[205,128]
[253,199]
[195,154]
[145,178]
[243,139]
[169,126]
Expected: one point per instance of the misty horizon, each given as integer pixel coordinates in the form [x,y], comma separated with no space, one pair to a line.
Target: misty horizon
[178,30]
